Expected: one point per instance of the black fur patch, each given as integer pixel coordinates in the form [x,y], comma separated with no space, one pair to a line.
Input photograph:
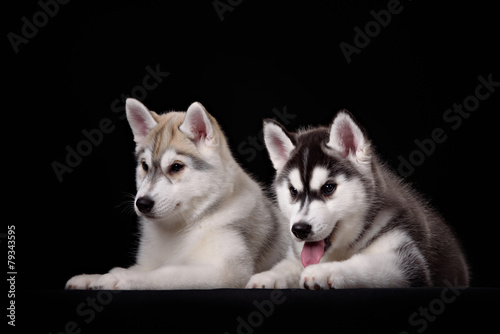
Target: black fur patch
[310,152]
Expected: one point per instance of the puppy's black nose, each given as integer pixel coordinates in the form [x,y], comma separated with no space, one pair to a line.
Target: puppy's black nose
[144,204]
[301,230]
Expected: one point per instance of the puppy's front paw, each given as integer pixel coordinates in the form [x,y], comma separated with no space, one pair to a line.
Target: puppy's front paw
[267,280]
[320,277]
[81,282]
[117,280]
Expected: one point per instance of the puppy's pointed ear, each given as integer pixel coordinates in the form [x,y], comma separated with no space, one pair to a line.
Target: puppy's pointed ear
[347,138]
[140,119]
[279,143]
[198,126]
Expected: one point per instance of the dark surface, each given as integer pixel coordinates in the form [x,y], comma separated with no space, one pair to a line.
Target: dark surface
[433,310]
[261,61]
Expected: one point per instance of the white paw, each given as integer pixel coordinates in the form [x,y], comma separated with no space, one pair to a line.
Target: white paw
[118,270]
[267,280]
[321,276]
[114,280]
[81,282]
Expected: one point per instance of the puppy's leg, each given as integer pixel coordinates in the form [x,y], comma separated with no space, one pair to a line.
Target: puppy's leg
[385,263]
[285,274]
[360,271]
[81,282]
[174,277]
[84,281]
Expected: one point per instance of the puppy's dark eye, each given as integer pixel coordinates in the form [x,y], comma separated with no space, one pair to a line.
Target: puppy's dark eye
[293,191]
[176,167]
[328,188]
[144,166]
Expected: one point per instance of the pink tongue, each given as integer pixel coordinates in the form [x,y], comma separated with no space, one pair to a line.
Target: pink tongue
[312,252]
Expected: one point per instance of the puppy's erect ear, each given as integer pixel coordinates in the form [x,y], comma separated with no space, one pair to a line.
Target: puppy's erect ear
[140,119]
[279,143]
[348,139]
[198,125]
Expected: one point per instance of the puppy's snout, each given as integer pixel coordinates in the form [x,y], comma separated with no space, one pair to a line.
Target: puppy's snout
[301,230]
[144,204]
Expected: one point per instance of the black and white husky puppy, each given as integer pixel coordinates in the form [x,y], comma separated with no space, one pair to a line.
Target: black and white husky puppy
[354,222]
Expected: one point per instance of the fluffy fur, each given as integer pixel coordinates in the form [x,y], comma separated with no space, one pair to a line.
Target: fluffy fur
[204,222]
[355,223]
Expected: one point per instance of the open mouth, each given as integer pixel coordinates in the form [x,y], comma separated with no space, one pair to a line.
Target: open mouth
[314,250]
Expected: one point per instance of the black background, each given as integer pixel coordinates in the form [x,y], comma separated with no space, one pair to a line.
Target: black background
[260,57]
